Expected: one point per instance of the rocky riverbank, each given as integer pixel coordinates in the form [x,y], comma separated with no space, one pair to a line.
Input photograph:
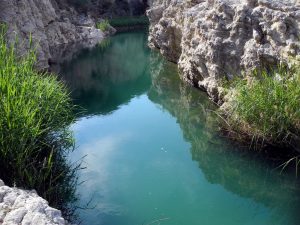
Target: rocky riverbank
[216,39]
[58,27]
[18,206]
[50,24]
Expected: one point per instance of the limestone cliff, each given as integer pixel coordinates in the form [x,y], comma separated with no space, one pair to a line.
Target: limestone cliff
[210,39]
[51,23]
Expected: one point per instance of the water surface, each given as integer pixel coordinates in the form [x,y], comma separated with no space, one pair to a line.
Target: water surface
[151,153]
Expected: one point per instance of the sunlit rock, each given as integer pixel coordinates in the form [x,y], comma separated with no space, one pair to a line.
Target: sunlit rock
[26,207]
[213,39]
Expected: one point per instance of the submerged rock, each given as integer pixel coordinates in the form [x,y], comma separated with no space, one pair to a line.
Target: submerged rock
[26,207]
[50,23]
[213,39]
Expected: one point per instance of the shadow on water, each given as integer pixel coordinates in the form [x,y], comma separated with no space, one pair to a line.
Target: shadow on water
[50,174]
[103,79]
[248,174]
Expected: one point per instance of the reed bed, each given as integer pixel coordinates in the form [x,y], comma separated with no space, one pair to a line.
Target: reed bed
[265,108]
[35,114]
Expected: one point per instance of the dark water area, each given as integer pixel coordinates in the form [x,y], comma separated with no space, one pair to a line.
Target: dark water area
[152,153]
[92,88]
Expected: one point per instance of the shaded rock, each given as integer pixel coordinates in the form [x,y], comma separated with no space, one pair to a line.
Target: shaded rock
[111,8]
[49,23]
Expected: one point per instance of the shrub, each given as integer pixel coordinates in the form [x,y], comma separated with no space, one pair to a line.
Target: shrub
[35,112]
[103,25]
[266,108]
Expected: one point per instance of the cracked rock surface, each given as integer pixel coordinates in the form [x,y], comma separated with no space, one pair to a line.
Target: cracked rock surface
[50,23]
[213,39]
[20,207]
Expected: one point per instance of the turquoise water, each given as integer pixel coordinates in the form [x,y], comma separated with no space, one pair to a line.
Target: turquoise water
[151,152]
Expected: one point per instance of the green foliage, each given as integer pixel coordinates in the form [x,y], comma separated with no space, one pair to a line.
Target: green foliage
[103,25]
[267,108]
[104,44]
[35,112]
[129,21]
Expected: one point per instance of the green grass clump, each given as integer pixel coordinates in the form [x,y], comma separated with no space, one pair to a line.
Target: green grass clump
[267,108]
[35,112]
[103,25]
[129,21]
[103,44]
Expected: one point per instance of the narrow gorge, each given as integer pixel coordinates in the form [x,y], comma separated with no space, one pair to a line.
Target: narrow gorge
[135,140]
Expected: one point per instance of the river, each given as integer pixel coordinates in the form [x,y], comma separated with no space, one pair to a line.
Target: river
[151,150]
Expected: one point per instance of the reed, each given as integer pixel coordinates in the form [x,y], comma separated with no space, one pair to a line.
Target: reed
[35,114]
[266,107]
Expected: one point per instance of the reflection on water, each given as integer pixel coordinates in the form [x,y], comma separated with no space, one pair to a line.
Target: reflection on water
[105,77]
[247,174]
[153,154]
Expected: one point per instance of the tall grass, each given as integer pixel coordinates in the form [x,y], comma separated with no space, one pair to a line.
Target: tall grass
[103,25]
[266,108]
[35,112]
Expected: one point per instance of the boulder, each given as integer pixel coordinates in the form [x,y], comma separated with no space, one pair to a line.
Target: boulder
[23,207]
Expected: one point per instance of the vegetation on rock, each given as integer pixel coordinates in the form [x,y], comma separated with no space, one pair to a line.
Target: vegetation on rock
[103,25]
[266,107]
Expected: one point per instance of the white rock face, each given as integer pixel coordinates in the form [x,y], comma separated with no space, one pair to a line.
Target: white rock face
[20,207]
[49,22]
[210,39]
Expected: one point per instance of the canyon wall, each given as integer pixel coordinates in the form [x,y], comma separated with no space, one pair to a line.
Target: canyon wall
[49,23]
[111,8]
[216,39]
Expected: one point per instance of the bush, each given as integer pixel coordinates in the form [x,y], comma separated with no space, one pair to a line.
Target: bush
[267,108]
[35,112]
[103,25]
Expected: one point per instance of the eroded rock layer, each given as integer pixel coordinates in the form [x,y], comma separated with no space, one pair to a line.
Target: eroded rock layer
[213,39]
[26,207]
[50,23]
